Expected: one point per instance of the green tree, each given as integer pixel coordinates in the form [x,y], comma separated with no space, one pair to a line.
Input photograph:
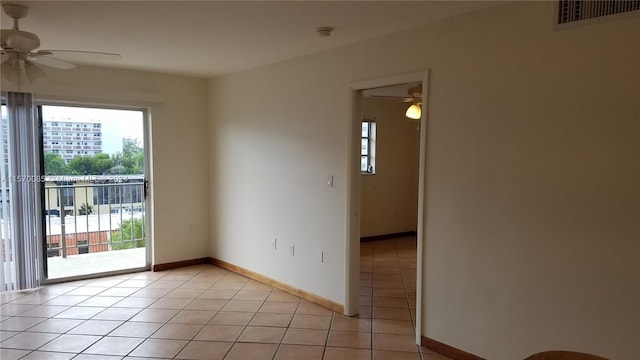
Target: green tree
[131,147]
[128,161]
[118,169]
[122,161]
[85,209]
[129,235]
[54,164]
[81,165]
[102,163]
[139,161]
[131,158]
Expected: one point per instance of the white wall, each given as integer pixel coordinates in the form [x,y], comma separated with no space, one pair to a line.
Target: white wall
[179,148]
[532,176]
[270,161]
[389,199]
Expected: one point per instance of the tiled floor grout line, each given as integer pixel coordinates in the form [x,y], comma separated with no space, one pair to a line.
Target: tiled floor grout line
[324,350]
[406,290]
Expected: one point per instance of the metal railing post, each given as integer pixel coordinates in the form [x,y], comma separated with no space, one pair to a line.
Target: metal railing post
[63,239]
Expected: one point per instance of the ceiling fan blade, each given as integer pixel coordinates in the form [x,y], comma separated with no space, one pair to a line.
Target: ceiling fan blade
[392,98]
[52,62]
[17,71]
[34,73]
[81,56]
[9,73]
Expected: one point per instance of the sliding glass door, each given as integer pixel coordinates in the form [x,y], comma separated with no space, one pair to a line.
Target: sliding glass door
[73,192]
[94,191]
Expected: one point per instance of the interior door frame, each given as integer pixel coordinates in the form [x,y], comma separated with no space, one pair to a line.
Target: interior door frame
[148,175]
[352,256]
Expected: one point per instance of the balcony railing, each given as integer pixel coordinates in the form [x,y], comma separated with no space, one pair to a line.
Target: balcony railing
[92,226]
[92,218]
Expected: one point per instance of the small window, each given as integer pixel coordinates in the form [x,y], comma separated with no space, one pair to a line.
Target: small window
[368,147]
[68,196]
[83,247]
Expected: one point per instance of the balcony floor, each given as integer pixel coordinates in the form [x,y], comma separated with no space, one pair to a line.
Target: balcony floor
[99,262]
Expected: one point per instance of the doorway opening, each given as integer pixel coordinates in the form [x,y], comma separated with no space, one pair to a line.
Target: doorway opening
[389,204]
[94,193]
[386,206]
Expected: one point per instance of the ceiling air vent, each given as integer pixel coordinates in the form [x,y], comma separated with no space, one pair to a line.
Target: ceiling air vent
[578,10]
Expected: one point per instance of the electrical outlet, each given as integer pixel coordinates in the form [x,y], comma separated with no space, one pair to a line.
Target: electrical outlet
[190,229]
[292,249]
[274,244]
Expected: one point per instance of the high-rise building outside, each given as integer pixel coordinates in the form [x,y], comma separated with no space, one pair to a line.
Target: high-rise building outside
[70,137]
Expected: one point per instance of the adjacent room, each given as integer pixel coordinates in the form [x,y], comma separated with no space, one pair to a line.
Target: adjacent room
[322,180]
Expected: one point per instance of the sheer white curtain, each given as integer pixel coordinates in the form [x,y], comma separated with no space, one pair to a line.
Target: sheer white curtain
[21,207]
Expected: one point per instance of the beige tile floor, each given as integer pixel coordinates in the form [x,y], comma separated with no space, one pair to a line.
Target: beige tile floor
[205,312]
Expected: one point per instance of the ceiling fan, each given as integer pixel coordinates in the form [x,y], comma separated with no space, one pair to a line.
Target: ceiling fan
[18,50]
[414,95]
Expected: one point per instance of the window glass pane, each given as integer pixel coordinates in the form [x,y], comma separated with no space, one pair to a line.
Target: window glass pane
[368,147]
[68,196]
[364,147]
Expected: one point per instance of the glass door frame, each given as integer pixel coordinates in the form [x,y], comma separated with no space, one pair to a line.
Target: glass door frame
[147,179]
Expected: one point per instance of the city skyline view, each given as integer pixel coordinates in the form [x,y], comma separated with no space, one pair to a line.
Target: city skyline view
[117,124]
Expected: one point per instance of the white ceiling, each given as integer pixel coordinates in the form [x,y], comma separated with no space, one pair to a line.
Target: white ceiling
[208,38]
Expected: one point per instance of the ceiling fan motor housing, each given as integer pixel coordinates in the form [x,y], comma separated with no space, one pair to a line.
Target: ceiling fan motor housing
[15,40]
[19,41]
[15,11]
[415,92]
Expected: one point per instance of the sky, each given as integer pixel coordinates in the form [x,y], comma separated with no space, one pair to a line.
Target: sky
[116,124]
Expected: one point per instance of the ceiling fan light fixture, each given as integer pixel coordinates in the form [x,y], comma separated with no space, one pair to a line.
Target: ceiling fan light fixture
[414,112]
[9,73]
[20,40]
[34,73]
